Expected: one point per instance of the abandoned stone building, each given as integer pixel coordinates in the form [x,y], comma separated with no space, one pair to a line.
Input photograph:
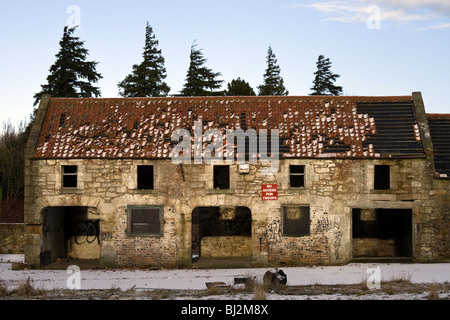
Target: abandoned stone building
[349,178]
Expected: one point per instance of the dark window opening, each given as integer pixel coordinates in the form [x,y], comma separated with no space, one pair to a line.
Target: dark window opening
[221,177]
[297,176]
[69,176]
[296,221]
[382,177]
[145,177]
[145,221]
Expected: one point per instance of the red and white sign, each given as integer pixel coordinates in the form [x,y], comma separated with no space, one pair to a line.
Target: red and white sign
[269,192]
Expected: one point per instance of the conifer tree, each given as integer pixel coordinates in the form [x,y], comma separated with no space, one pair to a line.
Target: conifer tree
[239,87]
[324,79]
[273,83]
[200,80]
[71,75]
[146,79]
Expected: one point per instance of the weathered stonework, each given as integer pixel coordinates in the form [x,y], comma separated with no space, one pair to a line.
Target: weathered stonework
[232,246]
[12,238]
[334,187]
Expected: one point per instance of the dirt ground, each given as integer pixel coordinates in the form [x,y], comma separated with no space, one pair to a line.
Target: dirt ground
[393,290]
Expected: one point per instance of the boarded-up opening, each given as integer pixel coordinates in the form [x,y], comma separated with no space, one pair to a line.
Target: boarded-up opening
[296,222]
[221,232]
[69,233]
[381,233]
[145,220]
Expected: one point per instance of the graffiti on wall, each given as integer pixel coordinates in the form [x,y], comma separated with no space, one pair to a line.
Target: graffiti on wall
[261,234]
[325,227]
[87,231]
[270,235]
[337,243]
[274,232]
[86,228]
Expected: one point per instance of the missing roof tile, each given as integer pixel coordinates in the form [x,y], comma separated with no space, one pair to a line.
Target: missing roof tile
[62,119]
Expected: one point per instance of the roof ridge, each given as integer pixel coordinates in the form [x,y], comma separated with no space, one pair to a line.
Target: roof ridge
[315,97]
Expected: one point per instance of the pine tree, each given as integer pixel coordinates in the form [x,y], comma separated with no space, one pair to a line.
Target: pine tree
[146,79]
[71,75]
[239,87]
[323,83]
[200,80]
[273,82]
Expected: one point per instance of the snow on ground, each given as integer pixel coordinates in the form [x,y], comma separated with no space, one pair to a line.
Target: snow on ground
[195,279]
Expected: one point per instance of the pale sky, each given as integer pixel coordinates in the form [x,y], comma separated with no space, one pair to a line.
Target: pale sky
[379,47]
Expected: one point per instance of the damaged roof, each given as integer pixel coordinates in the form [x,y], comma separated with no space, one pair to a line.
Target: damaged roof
[309,127]
[439,125]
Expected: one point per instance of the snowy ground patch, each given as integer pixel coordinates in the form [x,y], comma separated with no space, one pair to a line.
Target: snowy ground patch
[179,280]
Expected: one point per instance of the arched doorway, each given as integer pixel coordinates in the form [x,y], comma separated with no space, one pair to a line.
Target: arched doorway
[221,235]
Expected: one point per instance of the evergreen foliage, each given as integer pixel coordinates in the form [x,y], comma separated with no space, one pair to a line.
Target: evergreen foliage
[324,79]
[239,87]
[71,75]
[146,79]
[273,83]
[200,80]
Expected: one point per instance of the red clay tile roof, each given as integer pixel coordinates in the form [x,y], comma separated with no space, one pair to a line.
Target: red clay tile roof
[310,127]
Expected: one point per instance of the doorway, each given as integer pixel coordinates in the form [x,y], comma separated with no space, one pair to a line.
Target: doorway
[69,233]
[381,233]
[221,232]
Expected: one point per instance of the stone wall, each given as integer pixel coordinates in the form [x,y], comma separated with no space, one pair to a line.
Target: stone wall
[222,246]
[332,189]
[433,223]
[12,238]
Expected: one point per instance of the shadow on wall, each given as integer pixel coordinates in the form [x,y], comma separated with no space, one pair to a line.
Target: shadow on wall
[69,233]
